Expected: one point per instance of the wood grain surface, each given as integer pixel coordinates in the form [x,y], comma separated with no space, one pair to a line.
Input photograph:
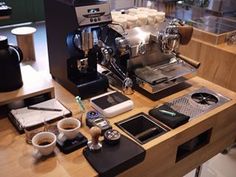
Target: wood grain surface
[218,62]
[16,156]
[33,84]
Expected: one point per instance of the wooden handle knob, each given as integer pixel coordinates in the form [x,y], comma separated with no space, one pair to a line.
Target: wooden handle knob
[185,33]
[192,62]
[95,133]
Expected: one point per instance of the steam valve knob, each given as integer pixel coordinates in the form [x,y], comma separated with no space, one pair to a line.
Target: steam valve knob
[127,86]
[94,143]
[142,48]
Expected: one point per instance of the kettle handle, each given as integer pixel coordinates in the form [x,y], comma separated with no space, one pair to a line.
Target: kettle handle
[18,50]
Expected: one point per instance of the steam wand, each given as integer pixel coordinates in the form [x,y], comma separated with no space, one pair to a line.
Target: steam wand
[108,60]
[127,83]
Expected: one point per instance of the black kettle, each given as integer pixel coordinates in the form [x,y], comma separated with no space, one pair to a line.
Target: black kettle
[10,73]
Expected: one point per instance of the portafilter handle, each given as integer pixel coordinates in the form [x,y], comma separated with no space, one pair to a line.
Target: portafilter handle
[185,34]
[190,61]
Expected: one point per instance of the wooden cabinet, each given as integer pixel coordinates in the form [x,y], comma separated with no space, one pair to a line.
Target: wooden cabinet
[216,129]
[217,61]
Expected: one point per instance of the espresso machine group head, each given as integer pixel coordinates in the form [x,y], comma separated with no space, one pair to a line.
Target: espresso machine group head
[73,28]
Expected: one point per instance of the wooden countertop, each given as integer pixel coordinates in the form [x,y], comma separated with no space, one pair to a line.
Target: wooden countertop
[16,156]
[223,46]
[34,84]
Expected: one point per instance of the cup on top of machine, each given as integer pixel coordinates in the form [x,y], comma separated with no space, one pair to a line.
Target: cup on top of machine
[131,21]
[140,16]
[120,20]
[142,19]
[44,143]
[68,129]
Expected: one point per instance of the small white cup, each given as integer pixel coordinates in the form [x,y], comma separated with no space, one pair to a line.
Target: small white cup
[44,143]
[68,128]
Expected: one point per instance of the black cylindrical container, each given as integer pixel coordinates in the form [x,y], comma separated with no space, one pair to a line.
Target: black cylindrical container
[10,73]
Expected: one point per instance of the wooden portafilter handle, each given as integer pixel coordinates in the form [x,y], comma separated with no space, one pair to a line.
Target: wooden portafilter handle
[186,33]
[190,61]
[95,133]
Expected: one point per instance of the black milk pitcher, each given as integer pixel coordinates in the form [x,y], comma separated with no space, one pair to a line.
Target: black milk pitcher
[10,73]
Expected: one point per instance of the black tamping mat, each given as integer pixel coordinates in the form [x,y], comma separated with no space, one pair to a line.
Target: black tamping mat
[173,121]
[72,145]
[114,159]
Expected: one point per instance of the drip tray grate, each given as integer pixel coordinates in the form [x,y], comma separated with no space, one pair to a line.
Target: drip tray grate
[198,102]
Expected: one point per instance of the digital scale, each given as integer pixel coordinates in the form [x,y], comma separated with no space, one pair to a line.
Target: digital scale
[112,103]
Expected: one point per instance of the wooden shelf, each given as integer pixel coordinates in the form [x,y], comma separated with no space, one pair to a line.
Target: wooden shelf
[33,85]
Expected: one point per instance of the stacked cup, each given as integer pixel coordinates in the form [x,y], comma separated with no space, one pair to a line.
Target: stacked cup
[138,17]
[118,17]
[142,19]
[160,17]
[132,21]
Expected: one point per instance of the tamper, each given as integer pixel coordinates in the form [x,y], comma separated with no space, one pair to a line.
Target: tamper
[94,143]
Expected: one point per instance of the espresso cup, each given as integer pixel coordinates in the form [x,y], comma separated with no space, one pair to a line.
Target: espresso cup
[44,143]
[68,129]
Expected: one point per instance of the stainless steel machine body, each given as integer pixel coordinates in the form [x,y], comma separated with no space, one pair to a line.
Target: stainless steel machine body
[80,36]
[151,56]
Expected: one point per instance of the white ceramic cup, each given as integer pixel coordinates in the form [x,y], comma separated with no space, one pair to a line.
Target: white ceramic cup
[68,128]
[131,21]
[142,19]
[44,143]
[121,21]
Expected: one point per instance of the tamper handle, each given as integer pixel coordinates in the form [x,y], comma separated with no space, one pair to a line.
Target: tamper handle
[95,133]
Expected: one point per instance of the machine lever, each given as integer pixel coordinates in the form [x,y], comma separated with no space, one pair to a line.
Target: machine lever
[190,61]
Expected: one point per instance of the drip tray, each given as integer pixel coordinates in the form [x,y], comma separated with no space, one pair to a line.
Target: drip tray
[141,128]
[198,102]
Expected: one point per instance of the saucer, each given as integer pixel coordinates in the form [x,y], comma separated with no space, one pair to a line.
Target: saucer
[71,145]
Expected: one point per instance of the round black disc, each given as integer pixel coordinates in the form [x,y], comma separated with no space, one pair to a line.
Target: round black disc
[204,98]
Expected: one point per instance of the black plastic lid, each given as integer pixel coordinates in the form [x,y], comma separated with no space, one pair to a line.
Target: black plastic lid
[3,42]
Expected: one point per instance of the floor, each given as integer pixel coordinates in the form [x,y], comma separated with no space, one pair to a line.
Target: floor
[40,45]
[219,166]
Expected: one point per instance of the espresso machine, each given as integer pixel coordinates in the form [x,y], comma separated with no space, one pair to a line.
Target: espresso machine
[81,35]
[73,28]
[146,57]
